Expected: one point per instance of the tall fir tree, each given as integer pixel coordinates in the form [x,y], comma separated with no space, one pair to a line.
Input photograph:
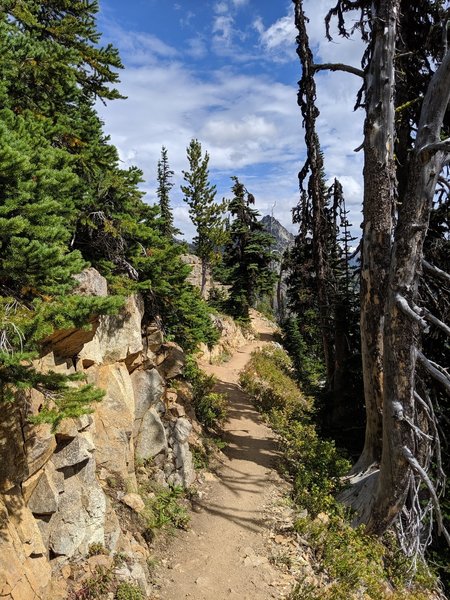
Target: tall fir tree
[248,254]
[206,214]
[165,184]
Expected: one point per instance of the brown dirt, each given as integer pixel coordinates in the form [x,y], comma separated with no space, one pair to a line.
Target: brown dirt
[226,552]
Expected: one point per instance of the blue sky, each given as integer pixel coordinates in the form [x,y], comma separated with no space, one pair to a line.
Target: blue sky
[225,72]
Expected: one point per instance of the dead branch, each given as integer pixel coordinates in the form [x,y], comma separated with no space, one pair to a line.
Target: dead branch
[433,270]
[402,303]
[435,373]
[338,67]
[412,461]
[432,319]
[429,149]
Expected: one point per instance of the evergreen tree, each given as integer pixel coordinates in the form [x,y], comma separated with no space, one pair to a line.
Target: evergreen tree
[248,254]
[50,71]
[65,203]
[206,214]
[164,186]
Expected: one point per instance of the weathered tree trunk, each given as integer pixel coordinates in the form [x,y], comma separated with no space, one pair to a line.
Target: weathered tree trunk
[379,193]
[314,164]
[204,278]
[403,320]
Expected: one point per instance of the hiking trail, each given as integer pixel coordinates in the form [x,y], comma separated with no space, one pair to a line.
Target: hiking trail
[226,553]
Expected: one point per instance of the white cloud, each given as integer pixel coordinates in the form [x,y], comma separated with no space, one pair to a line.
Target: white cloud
[239,3]
[221,8]
[281,33]
[250,124]
[196,47]
[223,30]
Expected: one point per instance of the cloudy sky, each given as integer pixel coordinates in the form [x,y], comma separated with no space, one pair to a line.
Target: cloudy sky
[225,72]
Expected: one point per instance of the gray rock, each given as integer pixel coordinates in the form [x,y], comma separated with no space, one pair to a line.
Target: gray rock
[114,419]
[118,337]
[151,439]
[45,498]
[182,429]
[75,452]
[137,573]
[174,361]
[80,518]
[184,464]
[148,388]
[91,283]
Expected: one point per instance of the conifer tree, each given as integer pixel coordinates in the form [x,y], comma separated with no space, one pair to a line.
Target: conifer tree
[248,254]
[165,184]
[206,214]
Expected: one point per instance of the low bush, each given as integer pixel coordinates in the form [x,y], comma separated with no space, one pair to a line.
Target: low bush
[128,591]
[314,465]
[165,509]
[355,565]
[347,563]
[210,407]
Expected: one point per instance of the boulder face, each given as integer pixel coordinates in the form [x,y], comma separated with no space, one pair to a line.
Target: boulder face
[61,492]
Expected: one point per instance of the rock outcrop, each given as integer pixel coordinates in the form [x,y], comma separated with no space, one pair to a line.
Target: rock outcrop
[63,493]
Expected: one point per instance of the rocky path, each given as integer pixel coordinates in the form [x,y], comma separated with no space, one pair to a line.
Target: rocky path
[226,554]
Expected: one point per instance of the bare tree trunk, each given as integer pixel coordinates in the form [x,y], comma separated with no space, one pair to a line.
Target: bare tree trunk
[379,192]
[204,278]
[403,320]
[314,164]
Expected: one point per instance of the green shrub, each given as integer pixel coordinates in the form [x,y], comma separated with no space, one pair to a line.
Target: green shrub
[128,591]
[210,407]
[97,548]
[313,464]
[268,379]
[356,565]
[165,509]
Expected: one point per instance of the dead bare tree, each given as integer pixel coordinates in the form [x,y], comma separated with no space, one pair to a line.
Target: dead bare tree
[401,432]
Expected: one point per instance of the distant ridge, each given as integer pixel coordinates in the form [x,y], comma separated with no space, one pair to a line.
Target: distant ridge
[283,238]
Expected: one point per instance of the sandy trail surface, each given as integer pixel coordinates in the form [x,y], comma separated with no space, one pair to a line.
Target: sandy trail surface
[226,552]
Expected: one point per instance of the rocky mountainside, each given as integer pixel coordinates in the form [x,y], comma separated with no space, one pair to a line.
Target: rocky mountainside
[84,486]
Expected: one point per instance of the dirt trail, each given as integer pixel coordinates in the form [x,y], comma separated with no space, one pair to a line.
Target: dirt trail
[225,554]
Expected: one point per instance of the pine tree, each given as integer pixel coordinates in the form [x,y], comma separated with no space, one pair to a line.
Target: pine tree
[248,254]
[206,214]
[164,176]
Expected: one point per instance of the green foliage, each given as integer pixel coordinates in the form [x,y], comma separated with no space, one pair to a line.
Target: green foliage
[268,379]
[248,254]
[210,407]
[165,184]
[202,455]
[307,362]
[97,586]
[66,203]
[206,214]
[313,464]
[354,565]
[164,509]
[128,591]
[97,548]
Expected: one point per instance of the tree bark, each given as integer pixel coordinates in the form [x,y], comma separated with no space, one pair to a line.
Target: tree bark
[401,338]
[379,194]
